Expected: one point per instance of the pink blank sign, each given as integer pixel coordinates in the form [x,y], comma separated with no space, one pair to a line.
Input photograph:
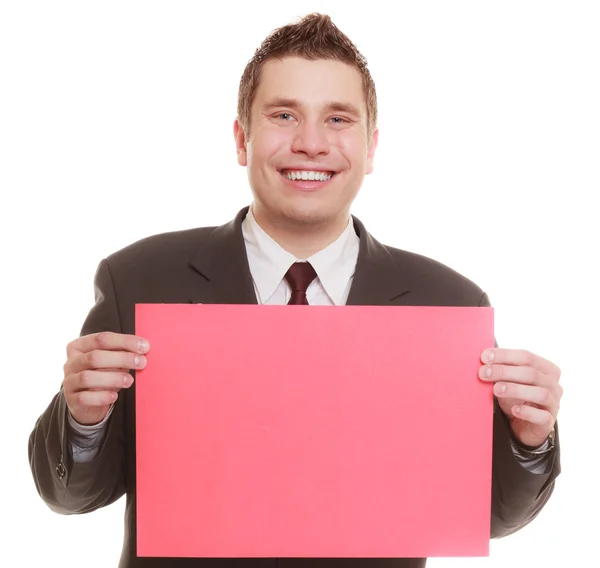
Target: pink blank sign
[313,431]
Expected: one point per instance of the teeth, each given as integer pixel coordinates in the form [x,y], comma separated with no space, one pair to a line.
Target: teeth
[307,175]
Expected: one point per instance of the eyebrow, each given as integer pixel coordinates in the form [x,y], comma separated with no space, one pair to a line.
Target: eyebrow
[336,106]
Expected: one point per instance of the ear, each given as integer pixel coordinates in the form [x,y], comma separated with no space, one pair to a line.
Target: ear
[240,143]
[371,150]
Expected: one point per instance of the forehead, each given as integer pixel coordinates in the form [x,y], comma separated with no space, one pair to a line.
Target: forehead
[311,82]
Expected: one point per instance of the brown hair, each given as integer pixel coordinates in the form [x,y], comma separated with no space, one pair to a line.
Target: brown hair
[314,37]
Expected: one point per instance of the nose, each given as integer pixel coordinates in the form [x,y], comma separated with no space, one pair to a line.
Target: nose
[310,139]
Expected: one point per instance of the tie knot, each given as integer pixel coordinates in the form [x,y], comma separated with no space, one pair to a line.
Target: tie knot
[300,275]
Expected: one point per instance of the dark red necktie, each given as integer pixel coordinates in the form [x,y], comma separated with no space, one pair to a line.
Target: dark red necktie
[299,276]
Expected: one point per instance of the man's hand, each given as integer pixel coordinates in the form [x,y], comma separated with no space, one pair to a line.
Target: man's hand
[528,391]
[97,368]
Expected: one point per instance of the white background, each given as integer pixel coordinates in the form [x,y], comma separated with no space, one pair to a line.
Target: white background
[116,123]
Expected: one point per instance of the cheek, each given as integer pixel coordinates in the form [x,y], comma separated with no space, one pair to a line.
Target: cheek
[355,156]
[352,146]
[266,149]
[268,135]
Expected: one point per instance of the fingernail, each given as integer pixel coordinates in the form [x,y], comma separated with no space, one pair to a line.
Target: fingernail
[487,371]
[127,380]
[502,388]
[139,361]
[488,356]
[143,346]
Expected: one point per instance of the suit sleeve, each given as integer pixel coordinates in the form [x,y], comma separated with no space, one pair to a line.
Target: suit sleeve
[518,495]
[65,486]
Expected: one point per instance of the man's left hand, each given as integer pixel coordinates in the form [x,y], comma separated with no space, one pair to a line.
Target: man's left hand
[528,391]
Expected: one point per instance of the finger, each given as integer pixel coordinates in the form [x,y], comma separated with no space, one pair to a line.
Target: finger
[104,360]
[108,341]
[92,398]
[520,357]
[515,374]
[70,378]
[115,370]
[534,415]
[528,394]
[98,380]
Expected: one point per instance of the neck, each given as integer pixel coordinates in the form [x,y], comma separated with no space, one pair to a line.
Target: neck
[302,239]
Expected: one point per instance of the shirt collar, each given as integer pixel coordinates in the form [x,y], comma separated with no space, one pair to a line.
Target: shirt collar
[269,262]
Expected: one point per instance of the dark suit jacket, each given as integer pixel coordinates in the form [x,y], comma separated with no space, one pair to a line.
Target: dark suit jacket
[209,265]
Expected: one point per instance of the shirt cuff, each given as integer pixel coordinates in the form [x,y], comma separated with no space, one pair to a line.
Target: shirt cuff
[534,464]
[85,436]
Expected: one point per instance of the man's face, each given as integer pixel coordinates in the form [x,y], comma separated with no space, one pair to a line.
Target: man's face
[308,119]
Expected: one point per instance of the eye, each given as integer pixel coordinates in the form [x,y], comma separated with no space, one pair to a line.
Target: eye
[284,115]
[338,120]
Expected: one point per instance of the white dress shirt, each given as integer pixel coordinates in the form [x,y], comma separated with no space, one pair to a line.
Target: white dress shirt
[268,263]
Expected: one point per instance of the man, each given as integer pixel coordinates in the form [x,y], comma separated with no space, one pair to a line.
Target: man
[306,131]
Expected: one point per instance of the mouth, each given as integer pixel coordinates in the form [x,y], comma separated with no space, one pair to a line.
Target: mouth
[315,176]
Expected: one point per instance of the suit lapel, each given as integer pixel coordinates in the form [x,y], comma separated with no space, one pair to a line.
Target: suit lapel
[378,278]
[221,265]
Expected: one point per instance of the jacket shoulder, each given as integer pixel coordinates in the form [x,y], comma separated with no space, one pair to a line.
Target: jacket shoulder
[428,277]
[160,249]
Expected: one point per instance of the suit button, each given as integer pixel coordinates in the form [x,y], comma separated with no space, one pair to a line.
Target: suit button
[61,470]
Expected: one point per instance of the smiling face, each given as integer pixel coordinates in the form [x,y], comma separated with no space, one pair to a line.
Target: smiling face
[308,149]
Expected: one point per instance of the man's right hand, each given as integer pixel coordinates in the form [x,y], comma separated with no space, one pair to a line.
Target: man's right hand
[97,368]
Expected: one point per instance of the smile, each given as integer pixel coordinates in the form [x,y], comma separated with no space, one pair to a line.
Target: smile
[306,175]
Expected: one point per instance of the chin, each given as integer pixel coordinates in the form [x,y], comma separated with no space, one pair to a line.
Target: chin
[314,214]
